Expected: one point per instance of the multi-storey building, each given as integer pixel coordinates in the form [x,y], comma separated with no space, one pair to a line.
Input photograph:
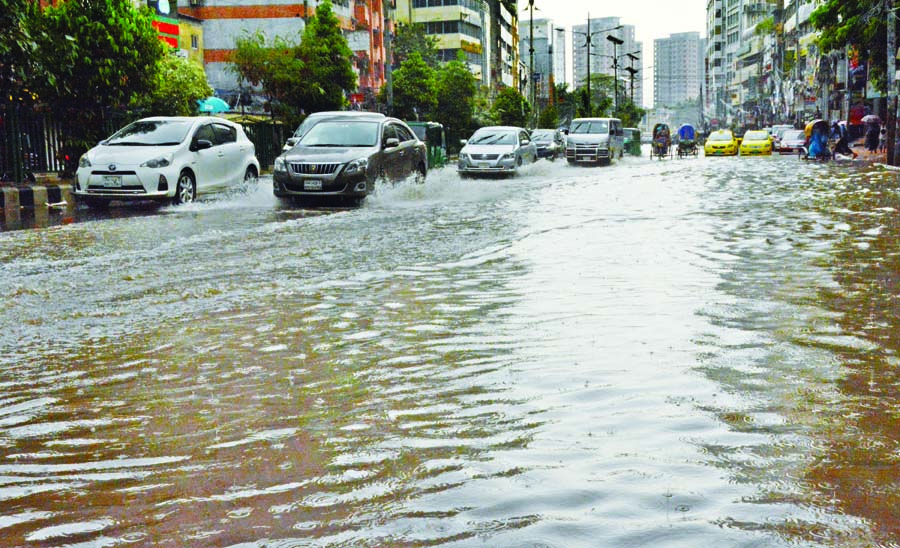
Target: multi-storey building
[549,47]
[226,20]
[714,66]
[677,68]
[486,32]
[605,56]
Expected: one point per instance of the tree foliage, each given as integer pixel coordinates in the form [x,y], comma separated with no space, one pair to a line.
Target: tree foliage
[511,108]
[415,89]
[862,24]
[327,75]
[298,80]
[15,49]
[272,66]
[180,83]
[410,38]
[456,91]
[549,118]
[93,56]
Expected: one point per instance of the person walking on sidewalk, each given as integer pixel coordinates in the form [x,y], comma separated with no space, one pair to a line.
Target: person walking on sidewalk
[872,133]
[882,140]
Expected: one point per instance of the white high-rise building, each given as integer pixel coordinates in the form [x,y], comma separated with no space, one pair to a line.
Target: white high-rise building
[549,54]
[677,68]
[602,51]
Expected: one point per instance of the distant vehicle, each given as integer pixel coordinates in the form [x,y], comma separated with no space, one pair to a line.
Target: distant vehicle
[721,143]
[756,143]
[432,134]
[343,156]
[632,141]
[499,150]
[550,143]
[662,141]
[595,140]
[687,141]
[315,117]
[166,158]
[791,141]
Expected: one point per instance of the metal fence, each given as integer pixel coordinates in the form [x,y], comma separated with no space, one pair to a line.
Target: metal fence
[34,142]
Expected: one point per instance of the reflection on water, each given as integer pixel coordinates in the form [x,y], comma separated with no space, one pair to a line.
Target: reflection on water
[680,353]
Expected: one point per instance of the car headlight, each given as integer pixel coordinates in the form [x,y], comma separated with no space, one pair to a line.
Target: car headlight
[162,161]
[280,165]
[508,156]
[84,161]
[360,164]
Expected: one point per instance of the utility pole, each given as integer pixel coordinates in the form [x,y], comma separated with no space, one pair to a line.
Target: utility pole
[531,60]
[891,92]
[615,42]
[388,34]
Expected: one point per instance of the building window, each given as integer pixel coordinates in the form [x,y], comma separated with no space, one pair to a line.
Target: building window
[195,42]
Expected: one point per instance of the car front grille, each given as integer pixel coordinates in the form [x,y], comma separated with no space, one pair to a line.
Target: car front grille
[313,169]
[484,156]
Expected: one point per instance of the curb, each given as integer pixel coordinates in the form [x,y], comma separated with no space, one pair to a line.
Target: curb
[13,199]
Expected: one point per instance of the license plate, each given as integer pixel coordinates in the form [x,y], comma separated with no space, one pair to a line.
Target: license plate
[484,164]
[112,181]
[313,184]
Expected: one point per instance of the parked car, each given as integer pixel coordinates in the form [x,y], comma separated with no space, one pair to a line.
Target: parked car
[721,143]
[345,155]
[496,150]
[791,141]
[595,140]
[315,117]
[550,143]
[166,158]
[756,143]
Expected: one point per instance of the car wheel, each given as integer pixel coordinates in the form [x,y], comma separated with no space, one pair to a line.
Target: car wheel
[186,189]
[250,176]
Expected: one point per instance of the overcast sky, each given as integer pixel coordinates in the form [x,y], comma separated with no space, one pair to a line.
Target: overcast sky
[652,19]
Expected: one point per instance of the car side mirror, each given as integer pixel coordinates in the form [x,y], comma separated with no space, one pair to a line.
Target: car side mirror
[392,142]
[201,144]
[291,142]
[463,142]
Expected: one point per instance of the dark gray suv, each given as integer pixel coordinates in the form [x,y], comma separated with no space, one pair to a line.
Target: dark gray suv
[344,156]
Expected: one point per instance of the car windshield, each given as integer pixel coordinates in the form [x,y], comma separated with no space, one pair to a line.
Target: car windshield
[794,134]
[586,126]
[151,133]
[493,137]
[542,135]
[341,133]
[419,131]
[756,136]
[721,136]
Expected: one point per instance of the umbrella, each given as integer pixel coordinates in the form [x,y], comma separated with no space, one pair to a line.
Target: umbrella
[213,104]
[870,119]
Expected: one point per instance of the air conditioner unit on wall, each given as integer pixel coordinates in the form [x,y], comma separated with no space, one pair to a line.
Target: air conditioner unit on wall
[196,3]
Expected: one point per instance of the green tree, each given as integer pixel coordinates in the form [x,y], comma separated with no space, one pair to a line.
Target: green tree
[94,57]
[415,89]
[456,91]
[862,24]
[412,38]
[15,50]
[630,114]
[327,75]
[180,83]
[510,108]
[549,118]
[273,67]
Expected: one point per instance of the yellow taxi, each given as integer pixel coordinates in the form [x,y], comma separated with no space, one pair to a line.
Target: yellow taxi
[721,143]
[756,143]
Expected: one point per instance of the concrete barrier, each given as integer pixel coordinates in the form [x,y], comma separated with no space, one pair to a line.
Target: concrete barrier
[38,198]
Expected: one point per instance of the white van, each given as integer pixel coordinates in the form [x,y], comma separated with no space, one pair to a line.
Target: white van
[595,140]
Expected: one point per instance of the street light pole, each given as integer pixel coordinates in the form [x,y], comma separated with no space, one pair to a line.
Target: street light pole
[531,58]
[588,36]
[615,42]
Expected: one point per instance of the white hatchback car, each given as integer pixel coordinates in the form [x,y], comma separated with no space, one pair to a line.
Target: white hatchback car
[167,158]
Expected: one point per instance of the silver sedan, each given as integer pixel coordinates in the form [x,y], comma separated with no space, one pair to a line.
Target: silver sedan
[496,150]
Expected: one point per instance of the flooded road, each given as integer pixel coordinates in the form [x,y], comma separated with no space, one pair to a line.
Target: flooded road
[697,352]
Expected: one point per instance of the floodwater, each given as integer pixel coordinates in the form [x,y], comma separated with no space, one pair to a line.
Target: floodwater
[685,353]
